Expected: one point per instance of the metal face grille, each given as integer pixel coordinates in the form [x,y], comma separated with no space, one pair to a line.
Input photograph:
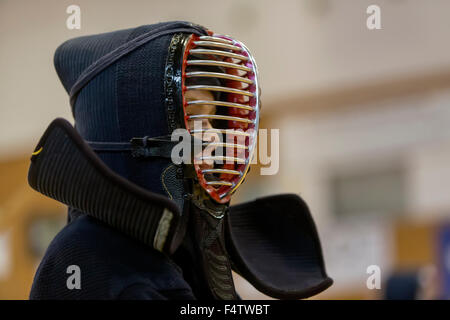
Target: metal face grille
[224,69]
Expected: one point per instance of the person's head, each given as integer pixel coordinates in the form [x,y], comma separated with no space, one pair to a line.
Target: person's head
[173,81]
[204,108]
[203,96]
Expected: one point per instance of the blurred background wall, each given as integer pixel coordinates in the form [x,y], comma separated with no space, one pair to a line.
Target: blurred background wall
[363,116]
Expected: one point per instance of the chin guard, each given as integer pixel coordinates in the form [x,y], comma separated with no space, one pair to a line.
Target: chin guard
[273,243]
[63,160]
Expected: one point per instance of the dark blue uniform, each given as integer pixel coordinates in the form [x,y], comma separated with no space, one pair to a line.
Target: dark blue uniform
[112,265]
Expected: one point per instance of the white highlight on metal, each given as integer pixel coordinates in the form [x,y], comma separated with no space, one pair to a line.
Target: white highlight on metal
[219,183]
[218,64]
[219,117]
[222,104]
[226,171]
[221,89]
[218,75]
[217,45]
[219,53]
[216,39]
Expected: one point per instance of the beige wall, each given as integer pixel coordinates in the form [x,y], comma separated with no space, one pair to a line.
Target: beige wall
[301,47]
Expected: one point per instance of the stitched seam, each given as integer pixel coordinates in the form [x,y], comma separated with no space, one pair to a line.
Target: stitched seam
[163,183]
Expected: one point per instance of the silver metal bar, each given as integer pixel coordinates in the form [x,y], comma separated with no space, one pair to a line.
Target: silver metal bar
[218,64]
[256,125]
[226,145]
[217,45]
[222,158]
[219,183]
[222,103]
[209,38]
[222,131]
[219,117]
[221,89]
[218,75]
[227,171]
[219,53]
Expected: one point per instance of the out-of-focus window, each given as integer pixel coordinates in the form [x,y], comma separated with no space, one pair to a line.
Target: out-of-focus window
[41,231]
[377,192]
[5,254]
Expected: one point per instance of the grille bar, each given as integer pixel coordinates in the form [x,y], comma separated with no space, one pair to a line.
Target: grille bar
[226,145]
[218,64]
[216,39]
[222,158]
[222,131]
[220,88]
[227,171]
[219,183]
[222,104]
[219,53]
[219,117]
[218,75]
[217,45]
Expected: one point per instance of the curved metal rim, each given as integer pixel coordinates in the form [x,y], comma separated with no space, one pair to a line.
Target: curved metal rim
[256,124]
[224,193]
